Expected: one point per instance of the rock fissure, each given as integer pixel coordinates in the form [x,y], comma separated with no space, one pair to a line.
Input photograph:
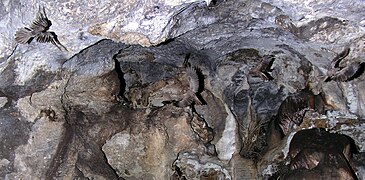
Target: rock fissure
[111,167]
[65,141]
[122,84]
[269,91]
[61,153]
[11,54]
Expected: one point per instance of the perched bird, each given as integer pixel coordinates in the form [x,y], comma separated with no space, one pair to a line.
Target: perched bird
[39,31]
[263,69]
[196,86]
[343,71]
[48,113]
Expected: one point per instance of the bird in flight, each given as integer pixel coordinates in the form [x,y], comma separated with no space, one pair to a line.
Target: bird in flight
[196,81]
[343,71]
[263,69]
[38,30]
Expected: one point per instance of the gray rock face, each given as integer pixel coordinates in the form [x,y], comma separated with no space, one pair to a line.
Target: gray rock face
[193,166]
[108,109]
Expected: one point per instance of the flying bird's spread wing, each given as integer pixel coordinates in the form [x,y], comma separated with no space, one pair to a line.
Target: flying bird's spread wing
[186,101]
[264,67]
[266,76]
[191,96]
[194,75]
[50,37]
[41,23]
[39,31]
[267,63]
[24,35]
[337,60]
[193,78]
[346,73]
[189,99]
[46,37]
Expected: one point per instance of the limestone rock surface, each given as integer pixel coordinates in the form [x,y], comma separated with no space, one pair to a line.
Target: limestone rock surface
[108,107]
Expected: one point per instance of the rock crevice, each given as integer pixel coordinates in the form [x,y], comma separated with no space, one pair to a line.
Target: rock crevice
[214,90]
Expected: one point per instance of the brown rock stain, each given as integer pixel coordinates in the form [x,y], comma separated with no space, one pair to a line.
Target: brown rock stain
[156,157]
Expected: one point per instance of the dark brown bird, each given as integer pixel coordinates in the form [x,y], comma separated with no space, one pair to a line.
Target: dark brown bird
[343,71]
[263,69]
[39,31]
[337,60]
[346,73]
[196,86]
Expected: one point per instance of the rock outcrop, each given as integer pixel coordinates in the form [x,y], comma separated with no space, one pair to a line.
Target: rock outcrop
[108,107]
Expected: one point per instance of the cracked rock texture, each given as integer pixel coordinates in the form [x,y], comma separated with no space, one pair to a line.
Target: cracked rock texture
[108,107]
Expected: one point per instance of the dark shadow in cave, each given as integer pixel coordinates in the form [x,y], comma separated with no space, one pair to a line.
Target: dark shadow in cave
[89,152]
[122,83]
[61,152]
[358,73]
[166,42]
[318,153]
[120,73]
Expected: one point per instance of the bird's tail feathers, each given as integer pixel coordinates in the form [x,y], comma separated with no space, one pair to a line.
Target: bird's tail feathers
[50,37]
[24,35]
[193,78]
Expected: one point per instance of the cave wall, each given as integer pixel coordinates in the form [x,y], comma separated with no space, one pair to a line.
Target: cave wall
[107,107]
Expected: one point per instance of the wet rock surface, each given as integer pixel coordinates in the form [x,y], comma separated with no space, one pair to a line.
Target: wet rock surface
[229,90]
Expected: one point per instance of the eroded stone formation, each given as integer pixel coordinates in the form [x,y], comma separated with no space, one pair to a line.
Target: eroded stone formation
[224,90]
